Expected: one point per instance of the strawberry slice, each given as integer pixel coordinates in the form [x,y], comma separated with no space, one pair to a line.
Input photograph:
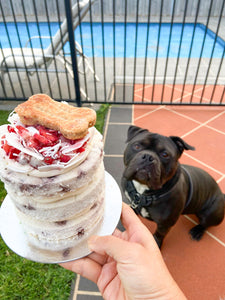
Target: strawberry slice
[48,160]
[42,140]
[80,150]
[11,129]
[10,151]
[13,154]
[51,135]
[31,143]
[64,158]
[23,132]
[6,147]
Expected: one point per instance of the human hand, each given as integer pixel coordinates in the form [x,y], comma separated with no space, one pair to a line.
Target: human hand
[127,265]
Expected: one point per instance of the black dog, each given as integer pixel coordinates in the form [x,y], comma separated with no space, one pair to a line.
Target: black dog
[161,189]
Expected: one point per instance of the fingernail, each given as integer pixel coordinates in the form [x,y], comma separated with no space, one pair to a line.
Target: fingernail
[92,241]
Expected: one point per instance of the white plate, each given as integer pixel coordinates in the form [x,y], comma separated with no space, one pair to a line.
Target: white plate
[15,238]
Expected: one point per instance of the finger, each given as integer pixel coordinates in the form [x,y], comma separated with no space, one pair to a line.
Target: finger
[137,231]
[129,218]
[118,249]
[117,232]
[98,258]
[86,267]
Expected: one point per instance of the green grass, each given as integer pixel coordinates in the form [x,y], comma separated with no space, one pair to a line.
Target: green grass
[24,279]
[101,113]
[3,119]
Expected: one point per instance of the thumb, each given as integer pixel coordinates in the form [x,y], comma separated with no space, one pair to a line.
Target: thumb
[119,250]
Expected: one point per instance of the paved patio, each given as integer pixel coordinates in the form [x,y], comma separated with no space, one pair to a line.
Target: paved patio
[198,267]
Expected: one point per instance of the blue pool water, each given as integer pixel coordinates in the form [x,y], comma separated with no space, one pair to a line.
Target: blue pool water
[120,44]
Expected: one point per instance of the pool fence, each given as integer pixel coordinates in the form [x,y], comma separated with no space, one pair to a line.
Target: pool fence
[113,51]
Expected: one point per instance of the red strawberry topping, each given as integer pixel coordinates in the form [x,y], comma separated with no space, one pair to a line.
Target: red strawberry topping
[51,135]
[48,160]
[46,141]
[10,151]
[11,129]
[81,149]
[64,158]
[41,140]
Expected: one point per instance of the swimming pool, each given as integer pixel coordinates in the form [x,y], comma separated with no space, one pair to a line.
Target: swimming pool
[127,48]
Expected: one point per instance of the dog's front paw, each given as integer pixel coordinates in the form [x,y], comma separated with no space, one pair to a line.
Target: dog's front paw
[197,232]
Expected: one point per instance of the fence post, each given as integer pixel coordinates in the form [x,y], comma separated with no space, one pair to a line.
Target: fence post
[73,51]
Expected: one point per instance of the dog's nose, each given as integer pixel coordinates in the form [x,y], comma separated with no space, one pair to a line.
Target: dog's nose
[147,157]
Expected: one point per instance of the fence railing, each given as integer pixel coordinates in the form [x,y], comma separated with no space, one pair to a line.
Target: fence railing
[136,51]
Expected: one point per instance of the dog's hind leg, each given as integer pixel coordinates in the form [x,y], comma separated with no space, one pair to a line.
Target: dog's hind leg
[197,232]
[210,216]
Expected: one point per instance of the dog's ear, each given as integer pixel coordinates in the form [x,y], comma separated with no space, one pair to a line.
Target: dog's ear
[181,144]
[133,131]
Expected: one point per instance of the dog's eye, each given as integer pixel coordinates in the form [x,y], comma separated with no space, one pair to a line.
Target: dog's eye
[137,146]
[164,154]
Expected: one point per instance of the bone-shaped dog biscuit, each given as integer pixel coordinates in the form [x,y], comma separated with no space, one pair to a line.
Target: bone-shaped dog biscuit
[72,122]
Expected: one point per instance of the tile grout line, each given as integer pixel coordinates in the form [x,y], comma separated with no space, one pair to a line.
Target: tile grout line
[203,124]
[117,123]
[141,88]
[89,293]
[215,129]
[200,123]
[207,232]
[106,126]
[204,164]
[184,116]
[148,113]
[76,287]
[221,178]
[187,94]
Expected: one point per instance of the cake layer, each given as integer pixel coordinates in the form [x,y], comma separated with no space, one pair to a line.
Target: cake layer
[66,208]
[61,235]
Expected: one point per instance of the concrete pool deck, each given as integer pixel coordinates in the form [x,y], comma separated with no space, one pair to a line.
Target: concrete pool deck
[184,69]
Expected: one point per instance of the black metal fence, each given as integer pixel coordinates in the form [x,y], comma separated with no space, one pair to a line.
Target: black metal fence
[115,51]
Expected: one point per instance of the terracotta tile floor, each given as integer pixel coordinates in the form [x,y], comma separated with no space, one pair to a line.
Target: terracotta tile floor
[198,267]
[180,93]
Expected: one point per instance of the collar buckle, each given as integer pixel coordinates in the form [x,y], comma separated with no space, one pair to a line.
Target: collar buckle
[136,200]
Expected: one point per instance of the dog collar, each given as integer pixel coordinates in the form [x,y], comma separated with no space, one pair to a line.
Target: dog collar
[138,200]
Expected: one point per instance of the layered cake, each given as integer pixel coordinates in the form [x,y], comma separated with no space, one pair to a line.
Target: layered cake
[51,163]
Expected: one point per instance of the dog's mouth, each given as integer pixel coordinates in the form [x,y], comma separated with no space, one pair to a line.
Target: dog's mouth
[149,175]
